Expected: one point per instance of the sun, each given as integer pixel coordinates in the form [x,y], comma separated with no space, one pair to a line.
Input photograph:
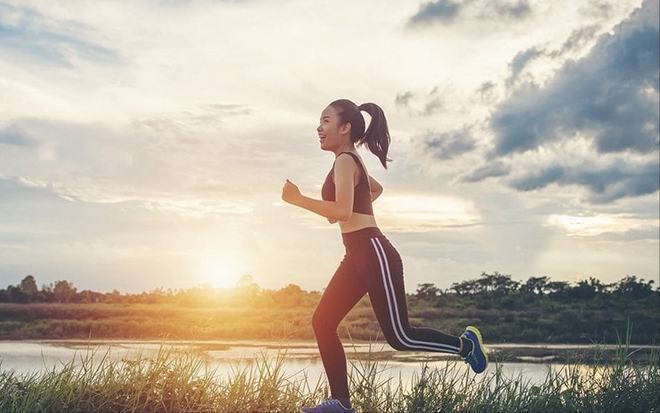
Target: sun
[220,272]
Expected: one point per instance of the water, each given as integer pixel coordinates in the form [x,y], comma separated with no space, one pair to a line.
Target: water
[224,357]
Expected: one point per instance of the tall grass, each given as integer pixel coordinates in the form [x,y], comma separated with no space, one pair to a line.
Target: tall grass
[175,381]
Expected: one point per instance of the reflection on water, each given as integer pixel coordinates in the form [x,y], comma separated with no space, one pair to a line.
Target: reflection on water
[225,357]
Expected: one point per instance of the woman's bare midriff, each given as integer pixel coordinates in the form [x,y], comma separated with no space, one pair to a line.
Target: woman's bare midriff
[356,222]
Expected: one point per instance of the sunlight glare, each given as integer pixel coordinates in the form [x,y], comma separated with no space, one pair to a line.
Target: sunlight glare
[220,272]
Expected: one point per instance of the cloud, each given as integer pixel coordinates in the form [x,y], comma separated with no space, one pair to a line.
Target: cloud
[520,60]
[595,8]
[485,87]
[632,235]
[191,121]
[576,40]
[441,10]
[447,11]
[27,33]
[415,212]
[11,135]
[139,161]
[606,226]
[403,99]
[515,10]
[447,145]
[611,94]
[496,168]
[607,183]
[431,103]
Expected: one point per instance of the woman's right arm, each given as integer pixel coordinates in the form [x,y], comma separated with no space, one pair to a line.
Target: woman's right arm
[376,190]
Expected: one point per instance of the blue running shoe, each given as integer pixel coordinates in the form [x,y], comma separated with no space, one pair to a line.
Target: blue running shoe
[478,357]
[329,406]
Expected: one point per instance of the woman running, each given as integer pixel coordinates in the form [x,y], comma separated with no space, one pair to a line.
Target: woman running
[371,264]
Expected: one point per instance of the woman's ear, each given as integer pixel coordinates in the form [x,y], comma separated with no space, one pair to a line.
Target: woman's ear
[345,129]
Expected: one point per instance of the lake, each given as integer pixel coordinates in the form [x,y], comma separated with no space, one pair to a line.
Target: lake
[301,359]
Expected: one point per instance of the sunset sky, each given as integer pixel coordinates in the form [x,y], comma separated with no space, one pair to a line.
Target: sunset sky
[145,144]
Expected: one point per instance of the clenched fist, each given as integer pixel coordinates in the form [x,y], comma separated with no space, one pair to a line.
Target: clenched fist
[290,192]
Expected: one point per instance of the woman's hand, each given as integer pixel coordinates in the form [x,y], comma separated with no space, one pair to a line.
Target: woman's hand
[332,221]
[290,192]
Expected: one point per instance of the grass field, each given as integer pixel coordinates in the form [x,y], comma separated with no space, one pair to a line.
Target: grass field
[179,382]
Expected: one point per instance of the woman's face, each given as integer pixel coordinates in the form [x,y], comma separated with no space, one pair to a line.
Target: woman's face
[331,136]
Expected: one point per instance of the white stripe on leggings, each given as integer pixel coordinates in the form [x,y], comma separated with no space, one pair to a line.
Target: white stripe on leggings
[391,298]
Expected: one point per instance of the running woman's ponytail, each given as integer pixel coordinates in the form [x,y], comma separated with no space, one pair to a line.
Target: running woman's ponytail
[377,136]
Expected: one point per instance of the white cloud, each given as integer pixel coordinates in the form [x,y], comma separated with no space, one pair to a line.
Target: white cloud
[591,225]
[410,212]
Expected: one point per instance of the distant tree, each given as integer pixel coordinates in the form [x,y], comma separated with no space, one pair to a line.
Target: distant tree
[29,288]
[64,291]
[15,295]
[556,287]
[247,289]
[630,287]
[290,296]
[535,285]
[427,290]
[599,287]
[583,290]
[47,293]
[89,296]
[463,288]
[497,284]
[246,284]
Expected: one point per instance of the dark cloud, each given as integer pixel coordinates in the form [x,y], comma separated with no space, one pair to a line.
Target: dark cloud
[607,183]
[519,62]
[402,99]
[441,10]
[516,10]
[447,145]
[446,11]
[576,40]
[485,87]
[486,92]
[610,94]
[496,168]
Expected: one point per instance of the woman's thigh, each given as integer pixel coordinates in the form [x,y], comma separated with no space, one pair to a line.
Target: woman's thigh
[344,290]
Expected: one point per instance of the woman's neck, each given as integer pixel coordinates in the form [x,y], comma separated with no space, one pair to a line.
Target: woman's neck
[345,148]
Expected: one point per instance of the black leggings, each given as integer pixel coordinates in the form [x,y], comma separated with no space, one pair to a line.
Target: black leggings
[371,265]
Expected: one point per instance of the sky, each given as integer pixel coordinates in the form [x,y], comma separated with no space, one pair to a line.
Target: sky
[145,144]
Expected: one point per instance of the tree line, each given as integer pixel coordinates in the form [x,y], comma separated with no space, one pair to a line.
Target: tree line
[495,286]
[501,285]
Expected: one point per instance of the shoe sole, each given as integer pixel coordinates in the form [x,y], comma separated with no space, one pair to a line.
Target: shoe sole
[477,333]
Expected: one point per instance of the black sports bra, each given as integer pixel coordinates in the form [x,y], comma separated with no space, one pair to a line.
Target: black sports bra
[361,191]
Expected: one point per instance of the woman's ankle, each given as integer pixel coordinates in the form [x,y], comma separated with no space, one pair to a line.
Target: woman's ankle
[345,401]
